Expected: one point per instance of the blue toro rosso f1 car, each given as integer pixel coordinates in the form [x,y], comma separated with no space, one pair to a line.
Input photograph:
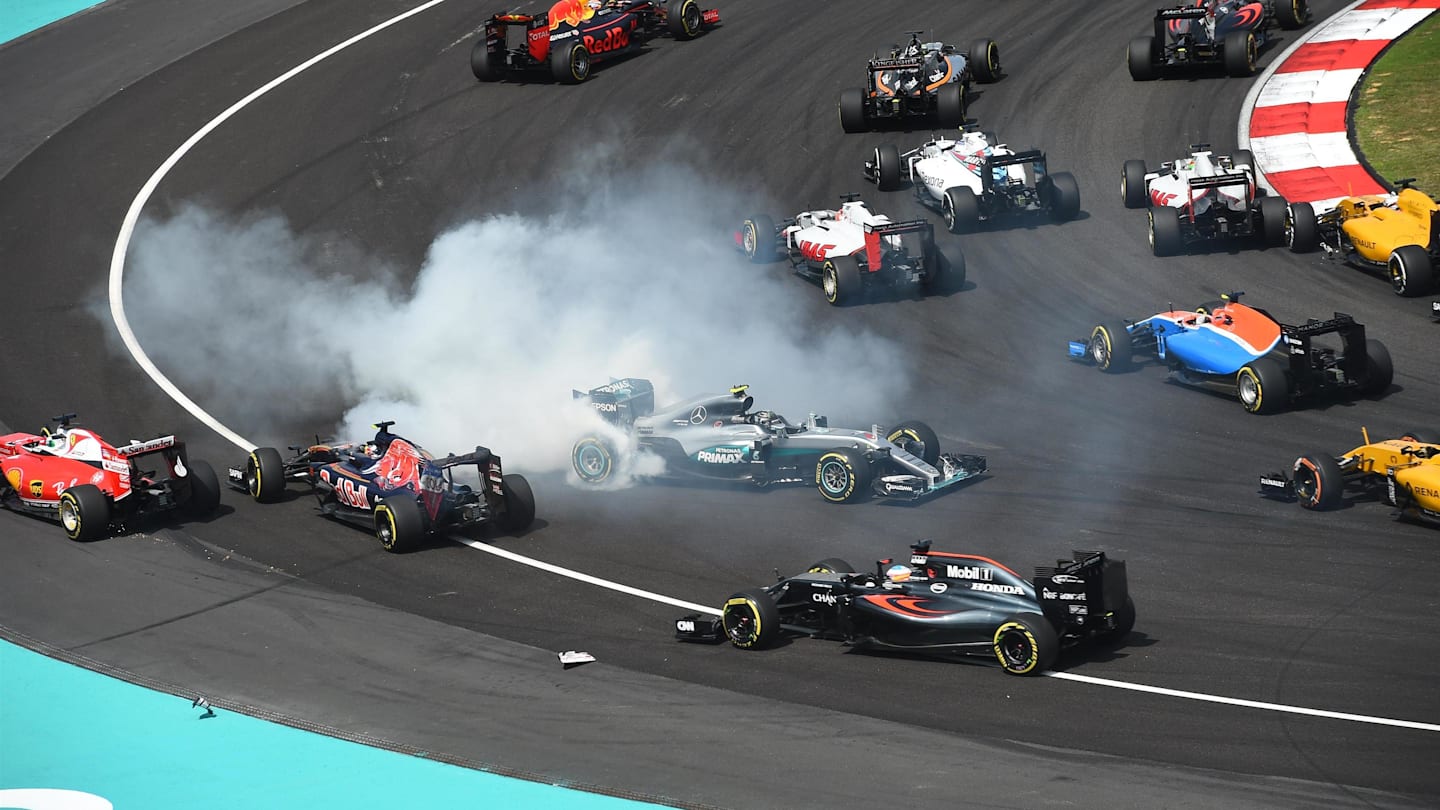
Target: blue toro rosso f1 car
[1243,351]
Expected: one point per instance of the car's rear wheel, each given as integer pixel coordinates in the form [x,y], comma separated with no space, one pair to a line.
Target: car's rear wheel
[950,104]
[1124,623]
[593,459]
[961,209]
[1379,369]
[1243,158]
[917,438]
[1141,59]
[399,524]
[682,18]
[1166,237]
[1411,271]
[570,64]
[1026,644]
[1064,197]
[852,110]
[985,60]
[485,65]
[204,490]
[1241,52]
[1110,348]
[887,167]
[757,237]
[1318,480]
[1302,231]
[1422,436]
[830,565]
[751,619]
[1273,212]
[84,512]
[519,503]
[840,280]
[842,475]
[265,474]
[1261,386]
[1132,184]
[943,270]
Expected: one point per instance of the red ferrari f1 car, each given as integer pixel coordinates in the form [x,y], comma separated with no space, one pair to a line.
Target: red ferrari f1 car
[91,486]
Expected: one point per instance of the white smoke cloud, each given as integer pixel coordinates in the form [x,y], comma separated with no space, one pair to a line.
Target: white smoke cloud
[507,315]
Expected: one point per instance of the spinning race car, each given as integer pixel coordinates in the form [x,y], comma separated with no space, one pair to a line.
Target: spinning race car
[853,252]
[974,179]
[1201,198]
[939,604]
[394,485]
[578,34]
[1403,472]
[93,487]
[1243,351]
[718,437]
[1396,234]
[1212,32]
[922,82]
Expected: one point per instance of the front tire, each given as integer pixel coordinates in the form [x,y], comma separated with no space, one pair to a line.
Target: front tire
[1241,51]
[852,110]
[1064,197]
[399,524]
[1026,644]
[1132,184]
[950,105]
[961,209]
[1166,237]
[842,475]
[840,280]
[887,167]
[1319,482]
[593,459]
[1411,272]
[1110,347]
[519,503]
[985,60]
[265,475]
[751,619]
[757,237]
[84,513]
[682,18]
[1302,231]
[908,434]
[204,490]
[831,565]
[570,65]
[1261,386]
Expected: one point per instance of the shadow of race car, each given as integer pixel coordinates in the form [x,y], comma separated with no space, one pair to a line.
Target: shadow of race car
[1403,472]
[1240,350]
[1202,197]
[1397,235]
[923,82]
[1225,33]
[718,437]
[393,485]
[940,603]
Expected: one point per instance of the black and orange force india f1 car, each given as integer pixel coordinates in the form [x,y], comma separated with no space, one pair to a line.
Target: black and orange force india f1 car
[1403,472]
[923,82]
[1227,33]
[577,34]
[394,485]
[940,603]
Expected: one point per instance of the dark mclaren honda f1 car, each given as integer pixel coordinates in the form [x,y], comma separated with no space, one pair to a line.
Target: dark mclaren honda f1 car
[923,80]
[940,603]
[577,34]
[1227,33]
[394,485]
[1241,350]
[717,436]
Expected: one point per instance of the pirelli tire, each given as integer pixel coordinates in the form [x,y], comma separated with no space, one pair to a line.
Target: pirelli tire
[1318,481]
[593,459]
[751,620]
[830,565]
[1241,50]
[1273,215]
[1109,347]
[1422,436]
[757,239]
[887,167]
[265,475]
[683,18]
[1133,190]
[1411,271]
[570,63]
[961,209]
[840,280]
[486,66]
[1141,58]
[1064,197]
[1166,236]
[399,524]
[1262,387]
[204,497]
[1379,369]
[917,438]
[519,503]
[950,105]
[1302,230]
[943,270]
[1026,644]
[852,110]
[1291,14]
[985,60]
[84,513]
[1124,623]
[843,475]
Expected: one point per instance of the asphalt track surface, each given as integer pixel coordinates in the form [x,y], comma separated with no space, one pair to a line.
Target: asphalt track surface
[451,651]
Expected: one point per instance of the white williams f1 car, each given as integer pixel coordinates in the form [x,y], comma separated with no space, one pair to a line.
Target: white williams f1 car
[974,178]
[1202,197]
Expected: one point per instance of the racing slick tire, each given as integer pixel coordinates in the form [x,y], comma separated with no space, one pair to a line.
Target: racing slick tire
[751,619]
[985,60]
[1261,386]
[757,239]
[941,272]
[593,459]
[1302,231]
[961,209]
[1132,184]
[1421,436]
[1110,348]
[1379,368]
[1241,51]
[204,490]
[852,110]
[840,280]
[570,64]
[519,503]
[1291,14]
[906,434]
[1124,623]
[887,167]
[399,524]
[1026,644]
[1166,238]
[830,565]
[1410,270]
[84,513]
[265,474]
[1064,197]
[950,105]
[484,65]
[1273,212]
[1319,481]
[682,18]
[1141,59]
[1243,158]
[843,475]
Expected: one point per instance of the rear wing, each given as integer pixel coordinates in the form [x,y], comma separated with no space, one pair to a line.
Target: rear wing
[1220,180]
[1298,346]
[1032,157]
[1165,16]
[878,65]
[152,446]
[620,402]
[873,234]
[1084,592]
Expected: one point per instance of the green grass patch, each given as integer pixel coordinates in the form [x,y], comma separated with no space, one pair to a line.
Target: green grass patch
[1397,113]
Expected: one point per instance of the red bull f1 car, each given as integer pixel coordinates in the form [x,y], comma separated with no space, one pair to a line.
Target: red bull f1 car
[718,437]
[1225,33]
[1200,198]
[923,82]
[854,252]
[92,487]
[567,41]
[1403,472]
[1243,351]
[939,603]
[393,485]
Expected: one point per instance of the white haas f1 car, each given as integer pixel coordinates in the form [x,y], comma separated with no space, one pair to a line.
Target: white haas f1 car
[853,251]
[1202,197]
[974,178]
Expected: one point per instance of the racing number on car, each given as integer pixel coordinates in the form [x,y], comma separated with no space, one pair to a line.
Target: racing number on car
[351,495]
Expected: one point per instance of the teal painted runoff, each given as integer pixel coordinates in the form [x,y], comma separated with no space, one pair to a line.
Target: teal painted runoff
[19,17]
[65,728]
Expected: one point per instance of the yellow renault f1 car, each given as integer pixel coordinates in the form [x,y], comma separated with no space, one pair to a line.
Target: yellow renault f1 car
[1404,472]
[1397,234]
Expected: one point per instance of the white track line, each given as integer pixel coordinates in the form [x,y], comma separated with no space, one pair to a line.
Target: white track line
[117,312]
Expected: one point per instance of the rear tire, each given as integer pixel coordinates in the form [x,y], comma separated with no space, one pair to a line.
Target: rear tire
[1273,213]
[1026,644]
[852,110]
[204,490]
[1411,272]
[941,272]
[961,209]
[1291,14]
[950,105]
[985,60]
[399,524]
[1064,197]
[84,513]
[570,64]
[887,167]
[1141,59]
[757,237]
[265,475]
[906,434]
[842,475]
[483,64]
[1243,158]
[840,280]
[1110,347]
[1302,231]
[1261,386]
[830,565]
[1132,184]
[1422,436]
[519,503]
[682,18]
[593,459]
[1379,369]
[1240,53]
[751,619]
[1166,237]
[1319,482]
[1124,623]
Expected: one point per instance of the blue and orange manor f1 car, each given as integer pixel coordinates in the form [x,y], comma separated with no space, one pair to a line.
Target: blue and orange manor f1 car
[393,484]
[577,34]
[941,603]
[1235,349]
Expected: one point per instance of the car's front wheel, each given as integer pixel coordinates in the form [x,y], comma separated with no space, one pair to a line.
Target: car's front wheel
[751,619]
[265,474]
[917,438]
[1110,347]
[1319,481]
[842,475]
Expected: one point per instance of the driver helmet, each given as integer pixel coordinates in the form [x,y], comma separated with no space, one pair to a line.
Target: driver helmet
[898,572]
[370,449]
[913,49]
[57,441]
